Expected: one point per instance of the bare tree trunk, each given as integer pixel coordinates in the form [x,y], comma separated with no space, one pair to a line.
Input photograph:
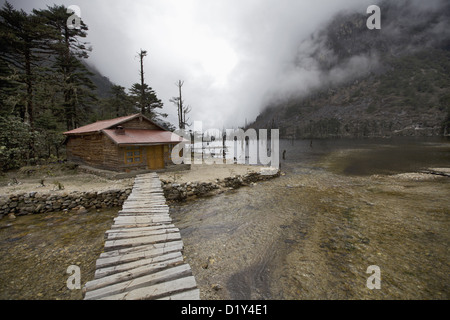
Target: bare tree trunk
[180,106]
[142,54]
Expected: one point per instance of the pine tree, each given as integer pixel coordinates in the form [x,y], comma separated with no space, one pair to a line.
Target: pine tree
[149,102]
[118,105]
[24,45]
[69,49]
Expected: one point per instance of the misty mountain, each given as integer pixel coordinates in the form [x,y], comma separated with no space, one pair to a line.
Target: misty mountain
[102,83]
[370,83]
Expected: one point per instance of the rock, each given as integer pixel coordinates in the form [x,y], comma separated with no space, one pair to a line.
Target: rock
[216,287]
[82,210]
[11,216]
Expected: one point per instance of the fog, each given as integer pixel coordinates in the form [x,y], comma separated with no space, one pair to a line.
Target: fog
[233,56]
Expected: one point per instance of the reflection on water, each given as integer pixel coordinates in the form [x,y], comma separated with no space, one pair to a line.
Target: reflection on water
[373,156]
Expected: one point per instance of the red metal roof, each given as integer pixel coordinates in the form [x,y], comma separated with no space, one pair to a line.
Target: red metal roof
[130,136]
[143,136]
[105,124]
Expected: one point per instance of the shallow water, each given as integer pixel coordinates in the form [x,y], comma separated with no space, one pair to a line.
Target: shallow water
[312,233]
[36,250]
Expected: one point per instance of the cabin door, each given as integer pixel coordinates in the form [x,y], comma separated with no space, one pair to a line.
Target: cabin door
[155,157]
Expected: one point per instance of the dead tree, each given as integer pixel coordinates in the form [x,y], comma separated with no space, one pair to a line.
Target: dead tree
[182,110]
[142,54]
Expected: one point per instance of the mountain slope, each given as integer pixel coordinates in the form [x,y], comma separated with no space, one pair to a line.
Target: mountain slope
[393,81]
[102,83]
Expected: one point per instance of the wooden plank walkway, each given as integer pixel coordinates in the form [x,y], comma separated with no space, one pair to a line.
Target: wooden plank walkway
[142,257]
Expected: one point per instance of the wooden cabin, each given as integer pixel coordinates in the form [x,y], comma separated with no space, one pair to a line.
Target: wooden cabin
[123,144]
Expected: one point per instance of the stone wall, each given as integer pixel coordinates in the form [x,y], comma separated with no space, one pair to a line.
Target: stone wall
[34,202]
[187,190]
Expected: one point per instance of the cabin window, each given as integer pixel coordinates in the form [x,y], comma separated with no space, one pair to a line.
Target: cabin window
[133,155]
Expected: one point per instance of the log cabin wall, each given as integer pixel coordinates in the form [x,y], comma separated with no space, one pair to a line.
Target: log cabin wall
[111,152]
[95,150]
[139,124]
[88,149]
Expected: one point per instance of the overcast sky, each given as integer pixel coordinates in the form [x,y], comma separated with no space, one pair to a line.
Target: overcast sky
[233,55]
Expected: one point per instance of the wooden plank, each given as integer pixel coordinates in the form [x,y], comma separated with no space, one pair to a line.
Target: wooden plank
[109,244]
[142,225]
[142,218]
[169,259]
[140,204]
[146,213]
[156,291]
[138,198]
[139,252]
[148,210]
[144,205]
[162,226]
[144,202]
[137,268]
[124,235]
[176,272]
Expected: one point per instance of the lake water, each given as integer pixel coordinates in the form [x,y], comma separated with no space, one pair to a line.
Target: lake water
[312,233]
[401,154]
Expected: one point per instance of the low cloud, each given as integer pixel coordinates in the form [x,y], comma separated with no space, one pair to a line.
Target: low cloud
[234,56]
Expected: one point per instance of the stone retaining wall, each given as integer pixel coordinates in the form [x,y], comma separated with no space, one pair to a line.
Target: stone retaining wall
[34,202]
[183,191]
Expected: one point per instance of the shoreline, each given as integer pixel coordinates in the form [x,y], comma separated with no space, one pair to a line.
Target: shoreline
[81,191]
[46,181]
